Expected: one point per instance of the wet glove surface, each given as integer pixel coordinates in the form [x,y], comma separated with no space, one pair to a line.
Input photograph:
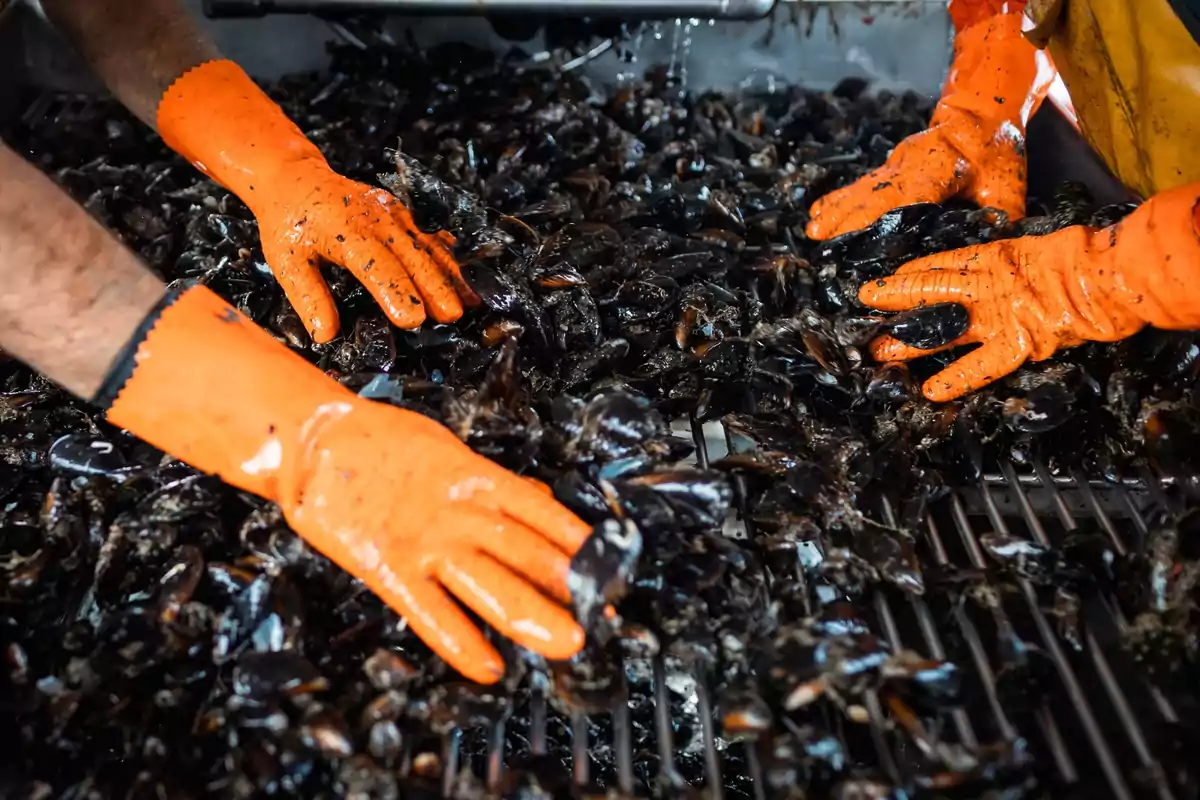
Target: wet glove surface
[1029,297]
[396,499]
[391,496]
[218,118]
[974,146]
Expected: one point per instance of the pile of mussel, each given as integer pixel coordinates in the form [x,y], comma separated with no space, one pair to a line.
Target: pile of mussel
[641,259]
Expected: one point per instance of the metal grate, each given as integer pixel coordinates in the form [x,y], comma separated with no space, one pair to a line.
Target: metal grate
[1088,730]
[1093,701]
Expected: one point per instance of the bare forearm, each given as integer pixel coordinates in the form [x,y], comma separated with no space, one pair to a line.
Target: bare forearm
[72,294]
[137,47]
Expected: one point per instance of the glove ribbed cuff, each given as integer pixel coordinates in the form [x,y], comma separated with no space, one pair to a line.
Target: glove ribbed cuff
[124,364]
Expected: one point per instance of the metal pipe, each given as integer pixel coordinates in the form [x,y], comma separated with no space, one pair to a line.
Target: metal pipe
[638,9]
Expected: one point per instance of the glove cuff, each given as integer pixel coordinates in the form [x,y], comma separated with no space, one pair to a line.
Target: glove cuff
[124,363]
[996,75]
[202,382]
[966,13]
[1153,256]
[218,118]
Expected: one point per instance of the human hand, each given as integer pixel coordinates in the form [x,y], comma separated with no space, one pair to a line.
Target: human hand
[223,123]
[398,501]
[974,146]
[1026,298]
[312,213]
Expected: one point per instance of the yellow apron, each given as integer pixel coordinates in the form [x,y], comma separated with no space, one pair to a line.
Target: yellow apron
[1133,70]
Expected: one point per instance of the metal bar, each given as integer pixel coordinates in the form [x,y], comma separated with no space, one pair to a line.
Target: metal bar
[1135,514]
[495,757]
[890,631]
[874,708]
[935,541]
[739,496]
[1062,759]
[971,635]
[966,733]
[711,758]
[1065,481]
[579,749]
[623,737]
[1157,484]
[1154,485]
[886,759]
[756,773]
[974,551]
[1031,519]
[1083,709]
[701,445]
[1160,700]
[712,762]
[450,761]
[1125,713]
[662,718]
[1060,506]
[637,9]
[1105,521]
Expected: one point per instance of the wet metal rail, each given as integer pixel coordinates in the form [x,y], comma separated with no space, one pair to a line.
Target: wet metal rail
[633,9]
[1088,730]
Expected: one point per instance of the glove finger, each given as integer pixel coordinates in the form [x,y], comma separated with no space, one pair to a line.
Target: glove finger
[511,605]
[526,553]
[907,291]
[541,512]
[300,278]
[443,252]
[520,548]
[417,253]
[888,348]
[442,625]
[542,487]
[964,259]
[976,369]
[441,246]
[903,180]
[385,278]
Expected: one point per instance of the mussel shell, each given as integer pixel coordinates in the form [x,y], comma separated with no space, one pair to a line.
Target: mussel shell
[929,327]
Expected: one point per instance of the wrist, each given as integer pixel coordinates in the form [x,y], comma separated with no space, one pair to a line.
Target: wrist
[218,118]
[1077,283]
[1154,258]
[994,76]
[212,389]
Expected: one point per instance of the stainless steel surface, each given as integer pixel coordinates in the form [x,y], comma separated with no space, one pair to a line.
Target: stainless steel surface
[638,9]
[895,45]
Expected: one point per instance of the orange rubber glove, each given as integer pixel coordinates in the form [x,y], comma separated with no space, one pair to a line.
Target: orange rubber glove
[975,143]
[391,496]
[1028,297]
[217,118]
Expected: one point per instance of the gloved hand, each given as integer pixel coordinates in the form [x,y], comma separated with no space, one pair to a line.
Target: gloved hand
[1028,297]
[975,143]
[216,117]
[390,495]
